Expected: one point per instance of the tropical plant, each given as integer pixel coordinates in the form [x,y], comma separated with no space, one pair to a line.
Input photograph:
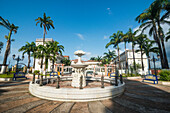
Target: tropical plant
[148,48]
[115,41]
[140,40]
[110,55]
[1,46]
[105,60]
[66,62]
[125,39]
[33,50]
[165,75]
[92,58]
[46,23]
[55,50]
[27,49]
[150,18]
[98,58]
[12,28]
[158,7]
[132,38]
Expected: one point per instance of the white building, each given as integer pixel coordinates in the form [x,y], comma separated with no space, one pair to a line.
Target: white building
[130,61]
[38,61]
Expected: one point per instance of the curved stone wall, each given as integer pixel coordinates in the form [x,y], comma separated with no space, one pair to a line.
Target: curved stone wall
[75,94]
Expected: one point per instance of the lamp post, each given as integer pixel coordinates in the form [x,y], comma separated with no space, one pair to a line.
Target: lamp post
[154,60]
[18,59]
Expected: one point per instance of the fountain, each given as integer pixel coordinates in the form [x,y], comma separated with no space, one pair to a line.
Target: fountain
[79,68]
[96,88]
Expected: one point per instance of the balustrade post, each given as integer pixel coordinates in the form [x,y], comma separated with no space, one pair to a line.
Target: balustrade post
[81,82]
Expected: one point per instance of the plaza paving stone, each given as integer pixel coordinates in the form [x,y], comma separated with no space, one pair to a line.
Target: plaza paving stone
[138,97]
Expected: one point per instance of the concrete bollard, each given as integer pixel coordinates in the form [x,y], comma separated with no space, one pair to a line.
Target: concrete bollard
[41,80]
[116,80]
[58,83]
[102,81]
[121,79]
[33,79]
[81,82]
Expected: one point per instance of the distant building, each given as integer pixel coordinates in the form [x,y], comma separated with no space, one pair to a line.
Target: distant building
[38,61]
[130,61]
[67,57]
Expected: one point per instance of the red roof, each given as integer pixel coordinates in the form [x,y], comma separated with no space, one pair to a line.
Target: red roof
[66,56]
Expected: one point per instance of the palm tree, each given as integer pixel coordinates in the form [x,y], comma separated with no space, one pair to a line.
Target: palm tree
[148,48]
[46,23]
[115,40]
[11,28]
[156,8]
[1,46]
[149,18]
[27,49]
[33,50]
[110,55]
[132,38]
[125,40]
[92,58]
[98,58]
[66,62]
[55,49]
[140,41]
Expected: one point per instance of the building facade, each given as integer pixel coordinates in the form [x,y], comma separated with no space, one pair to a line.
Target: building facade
[38,61]
[130,61]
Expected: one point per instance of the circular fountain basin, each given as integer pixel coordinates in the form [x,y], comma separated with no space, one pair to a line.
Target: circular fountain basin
[75,94]
[79,65]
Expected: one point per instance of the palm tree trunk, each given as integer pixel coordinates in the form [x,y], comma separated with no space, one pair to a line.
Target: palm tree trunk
[7,48]
[28,60]
[119,57]
[165,56]
[126,58]
[53,66]
[142,60]
[156,38]
[34,63]
[6,52]
[134,65]
[163,45]
[149,64]
[43,52]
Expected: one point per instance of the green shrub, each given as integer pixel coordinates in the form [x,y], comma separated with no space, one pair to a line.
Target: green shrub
[12,72]
[132,75]
[165,75]
[36,72]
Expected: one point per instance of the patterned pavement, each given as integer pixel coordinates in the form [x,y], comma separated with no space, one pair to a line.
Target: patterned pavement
[138,97]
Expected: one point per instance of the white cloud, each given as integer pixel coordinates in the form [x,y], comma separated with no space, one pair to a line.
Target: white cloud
[80,36]
[109,11]
[105,37]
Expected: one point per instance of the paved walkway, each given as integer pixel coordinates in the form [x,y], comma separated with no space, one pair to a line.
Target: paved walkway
[138,98]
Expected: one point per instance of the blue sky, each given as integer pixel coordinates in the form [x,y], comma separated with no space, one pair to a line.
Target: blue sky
[79,24]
